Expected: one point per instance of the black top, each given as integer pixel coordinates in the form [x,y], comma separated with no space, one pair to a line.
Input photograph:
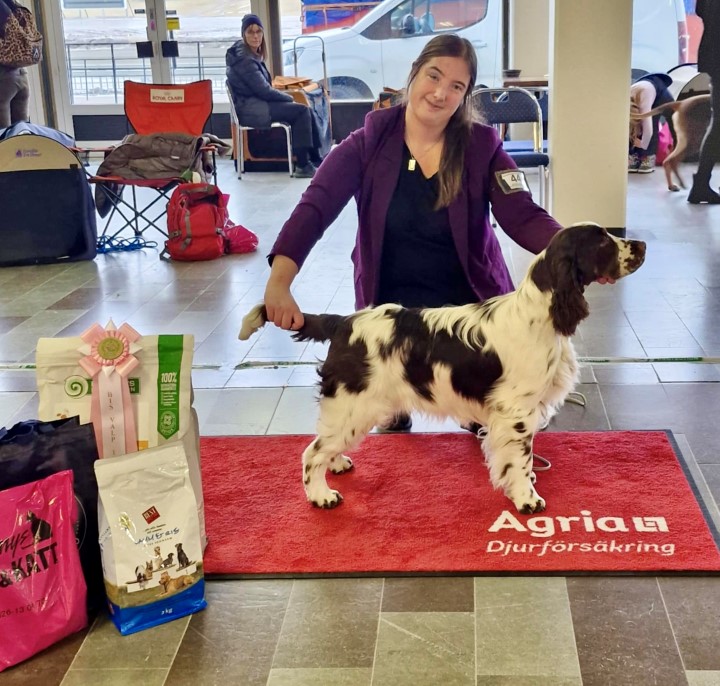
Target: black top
[420,266]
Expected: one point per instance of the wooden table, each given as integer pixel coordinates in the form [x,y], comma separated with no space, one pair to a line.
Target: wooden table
[525,83]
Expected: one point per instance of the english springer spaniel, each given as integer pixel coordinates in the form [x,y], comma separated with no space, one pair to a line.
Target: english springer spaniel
[507,363]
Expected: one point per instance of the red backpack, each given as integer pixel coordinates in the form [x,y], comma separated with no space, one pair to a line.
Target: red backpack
[197,214]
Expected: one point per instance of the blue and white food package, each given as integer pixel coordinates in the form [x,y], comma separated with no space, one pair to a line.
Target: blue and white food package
[149,537]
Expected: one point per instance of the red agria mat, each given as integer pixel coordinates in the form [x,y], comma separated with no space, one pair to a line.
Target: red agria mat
[617,502]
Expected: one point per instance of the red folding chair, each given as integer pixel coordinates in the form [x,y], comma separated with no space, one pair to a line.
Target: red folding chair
[154,108]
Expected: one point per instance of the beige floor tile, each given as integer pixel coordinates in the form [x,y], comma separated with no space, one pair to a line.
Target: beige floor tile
[115,677]
[320,677]
[330,623]
[425,649]
[106,648]
[699,678]
[524,628]
[528,681]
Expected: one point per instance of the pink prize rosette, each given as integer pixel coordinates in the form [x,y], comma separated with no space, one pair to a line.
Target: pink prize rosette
[108,359]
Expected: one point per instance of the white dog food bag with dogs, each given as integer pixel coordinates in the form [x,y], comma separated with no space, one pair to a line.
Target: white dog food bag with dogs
[136,390]
[149,538]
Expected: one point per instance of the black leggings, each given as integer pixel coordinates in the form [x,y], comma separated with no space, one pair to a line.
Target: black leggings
[663,97]
[298,116]
[710,150]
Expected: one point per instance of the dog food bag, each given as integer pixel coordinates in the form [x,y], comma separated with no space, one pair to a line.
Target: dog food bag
[136,390]
[149,538]
[42,589]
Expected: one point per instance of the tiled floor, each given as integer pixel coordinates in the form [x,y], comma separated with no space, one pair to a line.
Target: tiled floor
[596,631]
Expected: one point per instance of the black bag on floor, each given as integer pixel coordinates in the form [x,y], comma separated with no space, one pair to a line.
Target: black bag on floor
[33,450]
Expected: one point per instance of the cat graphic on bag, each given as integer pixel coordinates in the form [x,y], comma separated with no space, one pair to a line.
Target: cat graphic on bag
[41,530]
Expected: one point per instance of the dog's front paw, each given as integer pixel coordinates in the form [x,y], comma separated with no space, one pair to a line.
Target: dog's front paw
[526,499]
[340,464]
[327,502]
[535,505]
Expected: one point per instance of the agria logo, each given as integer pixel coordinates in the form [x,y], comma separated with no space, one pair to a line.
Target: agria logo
[545,527]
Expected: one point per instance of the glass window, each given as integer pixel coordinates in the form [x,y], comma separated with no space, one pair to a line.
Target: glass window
[101,37]
[425,17]
[100,50]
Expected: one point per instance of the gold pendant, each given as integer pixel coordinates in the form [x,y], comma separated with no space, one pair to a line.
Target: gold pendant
[411,164]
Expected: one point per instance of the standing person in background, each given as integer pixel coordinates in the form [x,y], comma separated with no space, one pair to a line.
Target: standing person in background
[258,104]
[646,93]
[424,175]
[14,88]
[709,62]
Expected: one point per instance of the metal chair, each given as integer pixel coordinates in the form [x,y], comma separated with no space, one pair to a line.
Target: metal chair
[238,136]
[542,96]
[513,105]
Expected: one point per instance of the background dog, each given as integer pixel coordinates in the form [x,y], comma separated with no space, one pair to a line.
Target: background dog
[182,557]
[506,363]
[691,118]
[144,574]
[171,585]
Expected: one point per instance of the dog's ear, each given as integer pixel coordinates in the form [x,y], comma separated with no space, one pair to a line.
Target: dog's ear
[568,306]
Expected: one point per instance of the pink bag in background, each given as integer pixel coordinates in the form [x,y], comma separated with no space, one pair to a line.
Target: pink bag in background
[42,589]
[665,143]
[238,239]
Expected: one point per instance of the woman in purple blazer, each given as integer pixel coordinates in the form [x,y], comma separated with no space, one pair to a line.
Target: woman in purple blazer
[424,176]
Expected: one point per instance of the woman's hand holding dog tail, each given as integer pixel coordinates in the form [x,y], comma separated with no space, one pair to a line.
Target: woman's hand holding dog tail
[282,309]
[280,305]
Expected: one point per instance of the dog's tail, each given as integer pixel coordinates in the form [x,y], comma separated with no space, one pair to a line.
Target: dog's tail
[252,321]
[662,109]
[317,327]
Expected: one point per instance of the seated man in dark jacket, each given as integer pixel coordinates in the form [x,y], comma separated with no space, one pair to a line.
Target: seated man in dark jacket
[258,104]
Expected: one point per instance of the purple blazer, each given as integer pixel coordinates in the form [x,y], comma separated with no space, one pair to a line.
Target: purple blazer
[367,165]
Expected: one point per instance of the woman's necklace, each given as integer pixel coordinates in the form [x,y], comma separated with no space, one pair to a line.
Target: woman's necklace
[412,162]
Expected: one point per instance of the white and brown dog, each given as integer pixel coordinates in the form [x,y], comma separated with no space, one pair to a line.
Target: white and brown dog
[507,363]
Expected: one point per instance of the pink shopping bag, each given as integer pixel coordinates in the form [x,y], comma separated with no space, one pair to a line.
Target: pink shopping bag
[42,588]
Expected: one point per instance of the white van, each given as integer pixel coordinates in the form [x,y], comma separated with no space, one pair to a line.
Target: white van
[379,49]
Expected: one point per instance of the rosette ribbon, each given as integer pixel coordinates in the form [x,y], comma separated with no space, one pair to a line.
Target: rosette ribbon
[109,357]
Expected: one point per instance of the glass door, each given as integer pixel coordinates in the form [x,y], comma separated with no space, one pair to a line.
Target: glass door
[151,41]
[100,49]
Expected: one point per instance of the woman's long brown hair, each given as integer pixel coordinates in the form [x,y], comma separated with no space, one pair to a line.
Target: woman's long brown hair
[458,129]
